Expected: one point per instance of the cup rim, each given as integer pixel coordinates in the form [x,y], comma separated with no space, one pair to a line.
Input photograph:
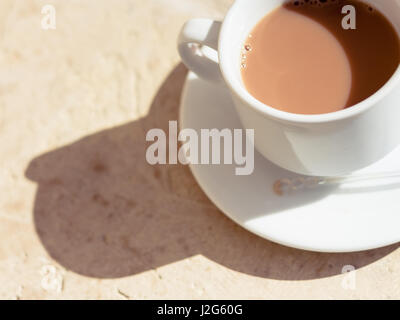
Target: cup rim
[269,111]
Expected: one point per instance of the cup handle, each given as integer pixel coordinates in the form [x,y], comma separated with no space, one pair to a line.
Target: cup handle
[195,36]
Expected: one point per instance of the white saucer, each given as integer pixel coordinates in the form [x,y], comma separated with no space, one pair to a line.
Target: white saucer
[341,219]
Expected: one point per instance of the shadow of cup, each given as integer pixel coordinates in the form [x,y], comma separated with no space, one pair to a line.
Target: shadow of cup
[102,211]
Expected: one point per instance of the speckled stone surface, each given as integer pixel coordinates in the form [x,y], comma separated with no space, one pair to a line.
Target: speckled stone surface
[82,215]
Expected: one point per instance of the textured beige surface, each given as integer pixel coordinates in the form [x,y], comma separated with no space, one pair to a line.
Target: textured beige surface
[82,215]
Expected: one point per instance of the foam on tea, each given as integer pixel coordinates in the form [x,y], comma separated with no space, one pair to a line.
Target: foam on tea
[301,60]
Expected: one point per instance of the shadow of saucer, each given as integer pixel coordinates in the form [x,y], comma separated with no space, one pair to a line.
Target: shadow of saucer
[102,211]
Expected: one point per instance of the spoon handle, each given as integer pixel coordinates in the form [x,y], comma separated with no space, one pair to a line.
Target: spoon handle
[293,184]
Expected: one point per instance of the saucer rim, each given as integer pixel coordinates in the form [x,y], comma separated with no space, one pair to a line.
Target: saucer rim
[216,202]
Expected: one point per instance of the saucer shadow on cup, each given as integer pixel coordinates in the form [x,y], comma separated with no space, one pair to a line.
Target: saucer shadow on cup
[102,211]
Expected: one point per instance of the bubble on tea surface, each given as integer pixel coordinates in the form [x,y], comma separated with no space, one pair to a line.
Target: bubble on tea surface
[318,3]
[243,65]
[247,47]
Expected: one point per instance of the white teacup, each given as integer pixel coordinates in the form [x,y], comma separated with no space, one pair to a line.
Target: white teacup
[320,145]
